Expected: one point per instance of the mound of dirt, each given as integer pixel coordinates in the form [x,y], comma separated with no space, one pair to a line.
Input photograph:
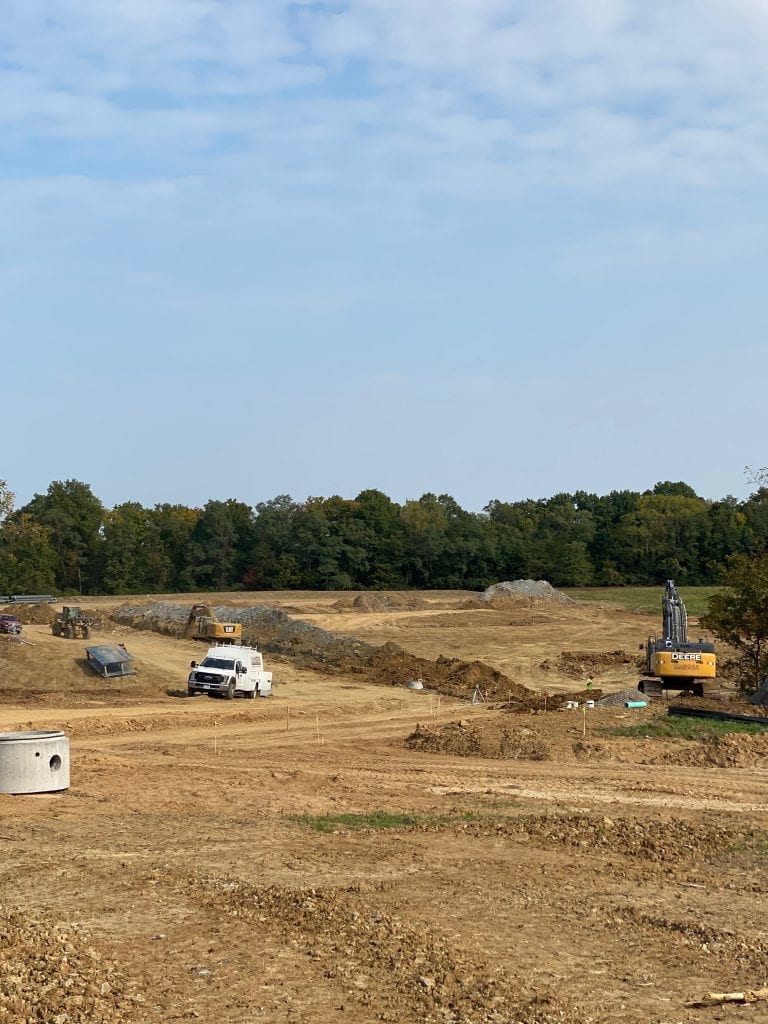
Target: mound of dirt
[392,970]
[44,614]
[51,973]
[734,705]
[577,664]
[390,665]
[31,614]
[525,590]
[734,750]
[496,738]
[382,602]
[587,751]
[668,840]
[68,681]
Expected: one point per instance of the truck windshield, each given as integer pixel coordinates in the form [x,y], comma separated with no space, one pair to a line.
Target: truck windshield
[221,663]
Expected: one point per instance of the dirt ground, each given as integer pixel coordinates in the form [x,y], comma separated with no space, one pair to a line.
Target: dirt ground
[602,879]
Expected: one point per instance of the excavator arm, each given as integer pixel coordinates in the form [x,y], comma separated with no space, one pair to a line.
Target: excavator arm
[674,615]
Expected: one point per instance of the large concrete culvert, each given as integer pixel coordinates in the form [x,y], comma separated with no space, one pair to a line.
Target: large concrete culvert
[34,762]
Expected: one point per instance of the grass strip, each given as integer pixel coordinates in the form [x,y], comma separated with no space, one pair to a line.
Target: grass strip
[682,729]
[644,599]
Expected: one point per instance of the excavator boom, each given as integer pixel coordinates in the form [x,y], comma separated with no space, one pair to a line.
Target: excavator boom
[674,615]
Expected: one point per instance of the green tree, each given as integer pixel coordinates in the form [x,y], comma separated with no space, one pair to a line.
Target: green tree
[175,525]
[677,489]
[425,524]
[216,555]
[271,561]
[74,517]
[135,559]
[607,512]
[738,616]
[27,557]
[662,539]
[564,532]
[512,529]
[381,518]
[6,500]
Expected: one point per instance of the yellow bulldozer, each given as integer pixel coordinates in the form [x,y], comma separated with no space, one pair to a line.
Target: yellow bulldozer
[672,662]
[203,624]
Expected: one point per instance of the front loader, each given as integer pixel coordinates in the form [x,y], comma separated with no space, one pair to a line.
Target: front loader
[70,623]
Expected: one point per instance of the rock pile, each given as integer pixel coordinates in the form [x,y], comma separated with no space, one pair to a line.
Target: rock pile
[51,974]
[532,590]
[388,969]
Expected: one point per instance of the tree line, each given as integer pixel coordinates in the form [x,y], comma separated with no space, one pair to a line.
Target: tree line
[67,541]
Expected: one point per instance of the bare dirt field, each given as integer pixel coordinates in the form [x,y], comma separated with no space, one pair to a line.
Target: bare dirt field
[300,859]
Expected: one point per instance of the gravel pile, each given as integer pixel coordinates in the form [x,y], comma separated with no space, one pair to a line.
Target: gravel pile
[51,974]
[270,629]
[536,590]
[619,699]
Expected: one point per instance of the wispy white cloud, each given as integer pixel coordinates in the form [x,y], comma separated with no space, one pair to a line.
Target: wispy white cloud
[370,110]
[574,92]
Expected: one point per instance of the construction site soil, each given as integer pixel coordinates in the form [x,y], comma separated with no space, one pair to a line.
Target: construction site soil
[354,850]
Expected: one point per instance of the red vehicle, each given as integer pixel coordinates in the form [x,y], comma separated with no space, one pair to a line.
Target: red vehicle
[9,624]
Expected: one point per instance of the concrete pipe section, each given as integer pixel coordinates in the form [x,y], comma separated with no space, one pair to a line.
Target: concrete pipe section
[34,762]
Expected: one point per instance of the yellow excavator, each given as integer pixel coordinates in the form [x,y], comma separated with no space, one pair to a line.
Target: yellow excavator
[203,624]
[672,662]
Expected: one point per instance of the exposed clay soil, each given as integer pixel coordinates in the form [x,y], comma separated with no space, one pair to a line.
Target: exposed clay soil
[180,878]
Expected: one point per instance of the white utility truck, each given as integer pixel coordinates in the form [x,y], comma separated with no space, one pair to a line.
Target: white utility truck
[227,670]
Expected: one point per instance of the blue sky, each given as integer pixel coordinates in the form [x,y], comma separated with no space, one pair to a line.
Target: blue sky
[491,248]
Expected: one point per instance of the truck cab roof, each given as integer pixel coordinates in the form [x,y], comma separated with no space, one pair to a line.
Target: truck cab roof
[233,651]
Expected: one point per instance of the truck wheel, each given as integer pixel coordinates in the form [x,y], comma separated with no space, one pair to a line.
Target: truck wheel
[191,693]
[231,691]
